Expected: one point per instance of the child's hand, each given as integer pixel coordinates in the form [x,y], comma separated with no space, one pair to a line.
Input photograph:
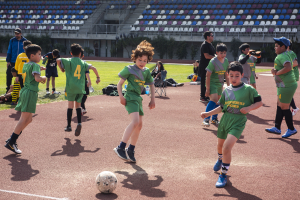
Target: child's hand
[122,100]
[204,115]
[207,93]
[17,79]
[88,84]
[151,105]
[273,71]
[63,70]
[98,80]
[244,110]
[43,68]
[43,79]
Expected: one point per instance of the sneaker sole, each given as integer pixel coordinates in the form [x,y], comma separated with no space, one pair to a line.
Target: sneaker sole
[78,130]
[206,125]
[115,150]
[272,132]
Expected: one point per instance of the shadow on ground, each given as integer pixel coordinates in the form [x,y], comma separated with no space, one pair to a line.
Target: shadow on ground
[106,196]
[72,150]
[51,96]
[84,118]
[17,115]
[293,142]
[139,180]
[257,120]
[215,132]
[20,169]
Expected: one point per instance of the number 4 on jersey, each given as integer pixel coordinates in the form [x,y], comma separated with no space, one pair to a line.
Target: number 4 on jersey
[77,72]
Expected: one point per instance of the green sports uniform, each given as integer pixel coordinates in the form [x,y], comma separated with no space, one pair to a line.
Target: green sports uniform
[248,69]
[232,100]
[286,83]
[217,70]
[296,70]
[136,79]
[29,93]
[75,70]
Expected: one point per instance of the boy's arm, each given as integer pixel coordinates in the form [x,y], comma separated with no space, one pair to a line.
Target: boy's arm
[45,59]
[119,87]
[212,112]
[227,79]
[39,78]
[254,106]
[152,101]
[88,79]
[295,63]
[208,75]
[58,61]
[286,68]
[96,72]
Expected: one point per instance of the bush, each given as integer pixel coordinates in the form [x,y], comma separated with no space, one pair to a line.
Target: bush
[171,46]
[234,47]
[88,51]
[159,44]
[194,50]
[181,51]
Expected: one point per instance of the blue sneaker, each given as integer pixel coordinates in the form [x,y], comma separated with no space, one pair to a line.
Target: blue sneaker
[273,130]
[221,181]
[218,165]
[289,133]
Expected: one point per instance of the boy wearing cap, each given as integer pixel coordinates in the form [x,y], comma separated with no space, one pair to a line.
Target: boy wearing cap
[286,87]
[248,62]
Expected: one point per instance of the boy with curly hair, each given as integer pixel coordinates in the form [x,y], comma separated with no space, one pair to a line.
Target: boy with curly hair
[137,76]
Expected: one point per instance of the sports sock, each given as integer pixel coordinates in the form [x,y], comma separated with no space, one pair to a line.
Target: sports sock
[47,89]
[131,147]
[210,106]
[220,156]
[78,112]
[293,105]
[278,118]
[225,168]
[83,101]
[69,116]
[215,116]
[122,145]
[13,138]
[288,118]
[53,89]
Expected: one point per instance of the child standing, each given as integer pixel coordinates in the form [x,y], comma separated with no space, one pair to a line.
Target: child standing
[248,61]
[28,95]
[236,101]
[216,72]
[16,87]
[75,70]
[137,76]
[51,69]
[286,87]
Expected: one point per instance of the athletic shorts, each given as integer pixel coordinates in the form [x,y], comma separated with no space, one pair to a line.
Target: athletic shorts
[252,79]
[51,71]
[134,104]
[216,89]
[232,124]
[286,94]
[245,80]
[27,101]
[73,97]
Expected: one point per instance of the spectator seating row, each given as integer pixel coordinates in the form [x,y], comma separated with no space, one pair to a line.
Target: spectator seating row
[73,7]
[49,2]
[79,22]
[78,12]
[119,5]
[44,17]
[36,27]
[166,2]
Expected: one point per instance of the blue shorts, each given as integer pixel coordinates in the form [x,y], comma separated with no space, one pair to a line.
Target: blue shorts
[51,71]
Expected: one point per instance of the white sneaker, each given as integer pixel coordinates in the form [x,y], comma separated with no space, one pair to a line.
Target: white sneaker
[83,111]
[55,92]
[205,123]
[294,111]
[47,92]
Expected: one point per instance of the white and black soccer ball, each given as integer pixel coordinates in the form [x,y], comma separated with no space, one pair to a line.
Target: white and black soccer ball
[106,182]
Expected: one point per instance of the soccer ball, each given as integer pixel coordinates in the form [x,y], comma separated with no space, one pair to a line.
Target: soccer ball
[106,182]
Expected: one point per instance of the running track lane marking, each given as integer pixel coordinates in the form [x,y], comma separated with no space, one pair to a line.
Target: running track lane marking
[33,195]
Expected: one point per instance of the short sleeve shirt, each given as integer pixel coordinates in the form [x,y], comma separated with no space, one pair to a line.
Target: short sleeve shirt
[249,66]
[296,70]
[51,62]
[21,60]
[206,47]
[233,99]
[217,70]
[75,70]
[287,79]
[136,78]
[29,69]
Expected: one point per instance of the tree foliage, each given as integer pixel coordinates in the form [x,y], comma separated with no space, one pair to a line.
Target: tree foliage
[60,47]
[44,41]
[159,44]
[4,41]
[181,50]
[88,51]
[234,47]
[194,50]
[170,47]
[268,52]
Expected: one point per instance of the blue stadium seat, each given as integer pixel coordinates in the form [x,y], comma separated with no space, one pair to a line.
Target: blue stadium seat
[204,7]
[215,12]
[155,23]
[208,7]
[256,23]
[238,6]
[177,17]
[287,17]
[157,12]
[217,17]
[264,6]
[297,5]
[262,11]
[198,7]
[184,7]
[244,6]
[200,12]
[213,7]
[166,7]
[283,11]
[240,23]
[265,17]
[270,17]
[228,6]
[194,23]
[230,12]
[182,17]
[254,17]
[167,12]
[292,5]
[145,16]
[223,6]
[168,17]
[144,12]
[190,12]
[248,6]
[176,12]
[149,12]
[202,17]
[238,17]
[220,12]
[256,12]
[223,17]
[149,17]
[246,12]
[278,11]
[146,23]
[279,23]
[281,17]
[280,6]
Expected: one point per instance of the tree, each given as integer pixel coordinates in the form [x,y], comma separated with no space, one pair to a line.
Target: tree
[194,50]
[170,47]
[181,51]
[88,50]
[60,47]
[159,44]
[268,52]
[234,48]
[215,42]
[4,41]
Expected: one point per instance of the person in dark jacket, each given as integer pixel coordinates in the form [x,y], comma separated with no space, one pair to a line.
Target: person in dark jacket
[14,49]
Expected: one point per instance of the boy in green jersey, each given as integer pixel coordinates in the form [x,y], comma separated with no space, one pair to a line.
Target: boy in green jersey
[75,70]
[28,94]
[248,62]
[216,72]
[286,87]
[296,72]
[236,101]
[137,76]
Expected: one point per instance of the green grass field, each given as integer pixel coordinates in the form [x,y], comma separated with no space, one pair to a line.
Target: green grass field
[108,72]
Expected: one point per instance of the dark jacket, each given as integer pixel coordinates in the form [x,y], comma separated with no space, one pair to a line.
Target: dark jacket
[14,49]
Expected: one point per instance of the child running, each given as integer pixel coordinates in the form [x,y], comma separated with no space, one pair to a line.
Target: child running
[137,76]
[51,69]
[296,72]
[28,95]
[236,101]
[248,62]
[216,72]
[286,87]
[75,70]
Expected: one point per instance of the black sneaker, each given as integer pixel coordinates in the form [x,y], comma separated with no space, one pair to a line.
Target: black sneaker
[78,130]
[68,129]
[121,153]
[203,99]
[130,155]
[13,148]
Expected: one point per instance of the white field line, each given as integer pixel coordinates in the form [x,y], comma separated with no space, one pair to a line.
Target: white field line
[32,195]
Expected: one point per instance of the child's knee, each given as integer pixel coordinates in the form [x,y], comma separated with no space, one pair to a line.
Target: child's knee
[135,123]
[226,149]
[140,124]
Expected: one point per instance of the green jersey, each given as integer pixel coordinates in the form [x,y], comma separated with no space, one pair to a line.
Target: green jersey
[217,70]
[296,70]
[29,69]
[235,98]
[75,70]
[249,66]
[287,79]
[136,78]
